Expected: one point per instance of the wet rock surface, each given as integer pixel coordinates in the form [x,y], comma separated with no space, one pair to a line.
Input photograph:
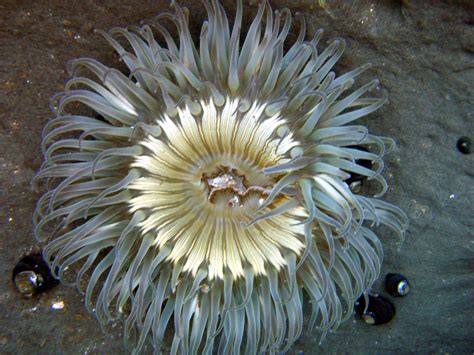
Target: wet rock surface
[422,52]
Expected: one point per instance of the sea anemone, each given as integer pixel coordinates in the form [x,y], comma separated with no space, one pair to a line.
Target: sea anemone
[205,189]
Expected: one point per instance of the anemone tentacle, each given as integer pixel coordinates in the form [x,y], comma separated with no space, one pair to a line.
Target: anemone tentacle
[208,190]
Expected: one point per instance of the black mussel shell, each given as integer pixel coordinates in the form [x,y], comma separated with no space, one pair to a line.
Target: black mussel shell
[379,311]
[464,145]
[397,285]
[32,275]
[355,181]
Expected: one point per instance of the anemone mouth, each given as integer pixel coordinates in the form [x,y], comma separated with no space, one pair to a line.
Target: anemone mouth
[213,194]
[202,183]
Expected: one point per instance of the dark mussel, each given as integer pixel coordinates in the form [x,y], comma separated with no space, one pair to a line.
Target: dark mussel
[32,275]
[464,145]
[356,180]
[397,285]
[379,310]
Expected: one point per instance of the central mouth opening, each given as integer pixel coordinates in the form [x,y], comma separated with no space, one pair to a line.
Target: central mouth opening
[228,188]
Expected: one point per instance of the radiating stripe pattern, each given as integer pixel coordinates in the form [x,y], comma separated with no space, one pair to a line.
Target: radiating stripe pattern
[204,195]
[202,183]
